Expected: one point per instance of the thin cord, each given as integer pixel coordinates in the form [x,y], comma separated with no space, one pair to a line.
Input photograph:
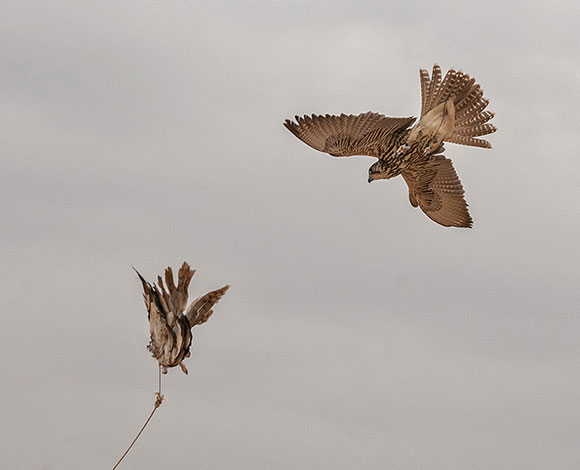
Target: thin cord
[157,404]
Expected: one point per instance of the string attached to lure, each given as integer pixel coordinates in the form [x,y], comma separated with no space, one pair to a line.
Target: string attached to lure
[158,400]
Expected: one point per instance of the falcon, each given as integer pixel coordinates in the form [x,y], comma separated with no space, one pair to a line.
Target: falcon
[170,323]
[452,110]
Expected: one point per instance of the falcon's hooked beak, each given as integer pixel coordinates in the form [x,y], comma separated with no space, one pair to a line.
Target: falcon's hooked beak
[374,171]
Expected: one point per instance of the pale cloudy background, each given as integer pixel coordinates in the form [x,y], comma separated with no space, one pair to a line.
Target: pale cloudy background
[357,333]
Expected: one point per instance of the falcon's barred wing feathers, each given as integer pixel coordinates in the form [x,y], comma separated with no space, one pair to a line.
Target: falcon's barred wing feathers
[347,135]
[437,190]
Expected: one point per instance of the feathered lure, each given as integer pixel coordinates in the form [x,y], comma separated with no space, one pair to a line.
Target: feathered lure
[169,323]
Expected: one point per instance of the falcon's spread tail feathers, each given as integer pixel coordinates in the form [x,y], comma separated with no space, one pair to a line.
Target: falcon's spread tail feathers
[470,117]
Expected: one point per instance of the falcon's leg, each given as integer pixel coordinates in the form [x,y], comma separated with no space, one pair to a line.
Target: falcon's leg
[403,148]
[433,145]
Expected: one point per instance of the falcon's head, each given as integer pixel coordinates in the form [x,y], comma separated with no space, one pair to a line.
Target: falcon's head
[383,170]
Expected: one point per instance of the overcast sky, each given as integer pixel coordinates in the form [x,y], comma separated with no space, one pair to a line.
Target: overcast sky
[357,332]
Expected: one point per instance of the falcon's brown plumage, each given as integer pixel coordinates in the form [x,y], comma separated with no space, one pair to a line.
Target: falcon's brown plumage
[452,110]
[169,324]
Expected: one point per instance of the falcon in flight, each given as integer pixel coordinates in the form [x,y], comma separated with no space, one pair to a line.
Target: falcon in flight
[452,110]
[170,323]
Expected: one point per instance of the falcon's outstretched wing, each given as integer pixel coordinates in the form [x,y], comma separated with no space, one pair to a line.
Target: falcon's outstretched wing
[436,189]
[346,135]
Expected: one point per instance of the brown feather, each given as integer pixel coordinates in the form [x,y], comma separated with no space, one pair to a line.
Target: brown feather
[200,309]
[169,326]
[347,135]
[437,190]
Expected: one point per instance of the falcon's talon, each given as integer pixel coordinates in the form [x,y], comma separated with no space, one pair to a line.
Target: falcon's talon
[452,110]
[428,150]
